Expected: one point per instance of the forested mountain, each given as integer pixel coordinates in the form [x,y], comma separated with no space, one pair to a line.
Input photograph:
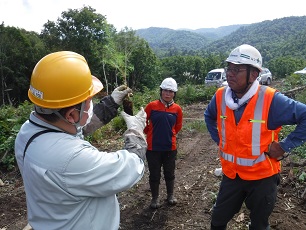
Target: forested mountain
[166,42]
[217,33]
[274,38]
[169,42]
[279,37]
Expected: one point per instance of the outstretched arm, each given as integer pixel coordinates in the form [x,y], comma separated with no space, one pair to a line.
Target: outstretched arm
[106,109]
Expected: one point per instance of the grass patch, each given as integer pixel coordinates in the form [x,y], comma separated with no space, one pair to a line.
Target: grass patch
[195,126]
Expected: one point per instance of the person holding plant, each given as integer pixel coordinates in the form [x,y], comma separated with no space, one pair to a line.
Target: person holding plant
[69,183]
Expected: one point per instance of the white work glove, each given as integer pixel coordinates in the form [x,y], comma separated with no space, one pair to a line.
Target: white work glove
[134,138]
[137,122]
[120,93]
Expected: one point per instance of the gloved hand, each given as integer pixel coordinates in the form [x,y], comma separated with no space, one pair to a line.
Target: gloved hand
[134,138]
[137,122]
[120,93]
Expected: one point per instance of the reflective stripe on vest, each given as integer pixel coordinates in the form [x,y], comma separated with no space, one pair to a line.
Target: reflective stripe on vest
[223,117]
[243,161]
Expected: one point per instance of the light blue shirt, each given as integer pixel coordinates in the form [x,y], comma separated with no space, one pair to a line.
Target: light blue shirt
[69,183]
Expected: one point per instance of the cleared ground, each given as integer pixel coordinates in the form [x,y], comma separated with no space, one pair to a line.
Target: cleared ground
[196,189]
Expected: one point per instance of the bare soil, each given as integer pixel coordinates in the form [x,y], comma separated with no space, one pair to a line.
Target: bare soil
[196,189]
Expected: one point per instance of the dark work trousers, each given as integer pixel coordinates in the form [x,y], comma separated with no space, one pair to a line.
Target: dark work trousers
[156,160]
[259,197]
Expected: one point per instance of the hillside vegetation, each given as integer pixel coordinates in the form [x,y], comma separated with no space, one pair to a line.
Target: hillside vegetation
[168,42]
[274,38]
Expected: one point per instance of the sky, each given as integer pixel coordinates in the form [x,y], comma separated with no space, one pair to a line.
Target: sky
[141,14]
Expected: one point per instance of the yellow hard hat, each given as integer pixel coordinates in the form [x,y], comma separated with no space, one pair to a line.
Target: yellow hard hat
[62,79]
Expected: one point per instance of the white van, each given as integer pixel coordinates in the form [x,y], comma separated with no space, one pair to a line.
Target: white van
[215,77]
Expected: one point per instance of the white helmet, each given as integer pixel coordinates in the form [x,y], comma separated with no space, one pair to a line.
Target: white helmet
[246,54]
[169,84]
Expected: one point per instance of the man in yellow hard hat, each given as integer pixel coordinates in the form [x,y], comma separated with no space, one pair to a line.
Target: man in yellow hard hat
[69,183]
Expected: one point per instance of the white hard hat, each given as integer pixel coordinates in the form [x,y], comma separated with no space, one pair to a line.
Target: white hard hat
[246,54]
[169,84]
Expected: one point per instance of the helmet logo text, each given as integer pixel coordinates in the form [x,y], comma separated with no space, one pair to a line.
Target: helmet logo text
[36,92]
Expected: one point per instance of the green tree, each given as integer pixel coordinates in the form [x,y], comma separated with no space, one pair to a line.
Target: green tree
[135,63]
[145,73]
[19,52]
[126,42]
[83,31]
[285,66]
[186,69]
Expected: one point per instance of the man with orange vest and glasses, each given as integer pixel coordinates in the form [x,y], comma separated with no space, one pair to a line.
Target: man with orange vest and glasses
[244,119]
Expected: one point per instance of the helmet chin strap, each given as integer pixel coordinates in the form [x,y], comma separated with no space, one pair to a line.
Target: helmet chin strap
[77,125]
[244,90]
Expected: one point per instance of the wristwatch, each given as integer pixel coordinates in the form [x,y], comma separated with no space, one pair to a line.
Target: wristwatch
[285,155]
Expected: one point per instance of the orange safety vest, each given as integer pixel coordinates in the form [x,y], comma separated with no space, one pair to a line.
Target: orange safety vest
[243,146]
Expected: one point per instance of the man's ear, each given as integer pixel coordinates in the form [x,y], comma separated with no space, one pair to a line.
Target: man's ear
[254,74]
[71,115]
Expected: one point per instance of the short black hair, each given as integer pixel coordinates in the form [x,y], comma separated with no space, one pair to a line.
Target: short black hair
[53,117]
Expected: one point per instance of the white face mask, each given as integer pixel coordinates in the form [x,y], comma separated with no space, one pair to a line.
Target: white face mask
[79,127]
[89,113]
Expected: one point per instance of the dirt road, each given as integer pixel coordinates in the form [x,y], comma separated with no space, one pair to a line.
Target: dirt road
[197,187]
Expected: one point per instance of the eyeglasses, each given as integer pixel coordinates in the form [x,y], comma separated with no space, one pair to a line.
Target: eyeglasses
[91,105]
[80,111]
[233,70]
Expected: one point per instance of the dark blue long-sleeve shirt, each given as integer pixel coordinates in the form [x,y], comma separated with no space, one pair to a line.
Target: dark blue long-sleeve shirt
[283,111]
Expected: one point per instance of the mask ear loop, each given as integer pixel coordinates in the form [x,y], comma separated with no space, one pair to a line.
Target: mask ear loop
[77,124]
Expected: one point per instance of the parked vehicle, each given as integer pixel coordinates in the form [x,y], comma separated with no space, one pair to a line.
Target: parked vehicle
[215,77]
[265,77]
[303,71]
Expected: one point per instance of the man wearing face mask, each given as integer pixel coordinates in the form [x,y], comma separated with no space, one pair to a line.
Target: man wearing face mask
[70,184]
